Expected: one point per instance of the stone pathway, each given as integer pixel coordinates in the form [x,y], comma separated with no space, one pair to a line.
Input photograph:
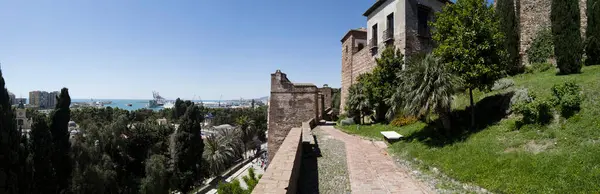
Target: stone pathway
[371,169]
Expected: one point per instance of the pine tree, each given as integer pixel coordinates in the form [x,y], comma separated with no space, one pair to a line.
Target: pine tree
[186,150]
[566,34]
[59,127]
[9,144]
[593,33]
[509,25]
[41,148]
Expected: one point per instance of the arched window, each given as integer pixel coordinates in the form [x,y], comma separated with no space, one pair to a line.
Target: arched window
[360,46]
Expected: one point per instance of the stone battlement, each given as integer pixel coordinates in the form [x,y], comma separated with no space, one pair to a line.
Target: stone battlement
[291,104]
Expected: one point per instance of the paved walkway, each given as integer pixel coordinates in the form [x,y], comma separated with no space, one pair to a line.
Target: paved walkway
[371,170]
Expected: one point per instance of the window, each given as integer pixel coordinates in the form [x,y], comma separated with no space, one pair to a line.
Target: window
[361,46]
[423,17]
[374,33]
[390,24]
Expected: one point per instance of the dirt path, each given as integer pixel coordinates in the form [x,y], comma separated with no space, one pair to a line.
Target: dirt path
[371,169]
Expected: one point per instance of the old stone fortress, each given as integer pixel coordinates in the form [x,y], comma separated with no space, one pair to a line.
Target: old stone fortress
[404,24]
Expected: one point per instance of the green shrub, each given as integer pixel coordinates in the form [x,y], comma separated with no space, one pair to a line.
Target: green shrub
[539,67]
[404,120]
[503,84]
[535,111]
[542,47]
[567,97]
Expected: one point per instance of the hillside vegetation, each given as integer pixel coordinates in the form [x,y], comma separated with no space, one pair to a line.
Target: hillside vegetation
[560,157]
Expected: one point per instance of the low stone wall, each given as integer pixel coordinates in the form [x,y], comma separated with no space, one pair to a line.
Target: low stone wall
[283,171]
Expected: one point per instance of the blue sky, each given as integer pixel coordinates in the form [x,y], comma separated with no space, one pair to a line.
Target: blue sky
[127,49]
[185,48]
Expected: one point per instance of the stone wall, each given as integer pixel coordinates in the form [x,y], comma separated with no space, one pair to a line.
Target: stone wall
[534,15]
[289,105]
[327,96]
[355,61]
[282,174]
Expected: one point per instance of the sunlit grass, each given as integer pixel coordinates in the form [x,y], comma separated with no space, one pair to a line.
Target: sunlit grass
[563,157]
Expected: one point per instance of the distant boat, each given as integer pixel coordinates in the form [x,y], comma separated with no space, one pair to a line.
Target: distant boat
[129,104]
[157,101]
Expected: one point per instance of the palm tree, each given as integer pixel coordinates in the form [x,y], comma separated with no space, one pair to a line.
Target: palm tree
[222,149]
[247,131]
[429,86]
[358,104]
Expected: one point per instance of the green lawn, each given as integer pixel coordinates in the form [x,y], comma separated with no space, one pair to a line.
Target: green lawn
[563,157]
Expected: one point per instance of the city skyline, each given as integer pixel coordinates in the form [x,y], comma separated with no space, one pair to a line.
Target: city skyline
[127,49]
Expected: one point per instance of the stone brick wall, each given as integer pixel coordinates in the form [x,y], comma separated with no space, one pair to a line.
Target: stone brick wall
[535,15]
[355,61]
[283,172]
[327,95]
[320,106]
[289,105]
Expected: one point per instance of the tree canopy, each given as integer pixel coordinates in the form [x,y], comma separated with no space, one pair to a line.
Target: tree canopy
[469,41]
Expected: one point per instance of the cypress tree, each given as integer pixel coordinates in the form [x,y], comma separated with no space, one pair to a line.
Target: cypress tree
[60,137]
[26,165]
[509,26]
[186,150]
[9,144]
[593,33]
[41,152]
[566,33]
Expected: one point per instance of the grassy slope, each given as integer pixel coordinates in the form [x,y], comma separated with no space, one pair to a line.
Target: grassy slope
[563,157]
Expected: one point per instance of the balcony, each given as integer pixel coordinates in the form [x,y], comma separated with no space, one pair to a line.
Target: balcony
[372,43]
[388,34]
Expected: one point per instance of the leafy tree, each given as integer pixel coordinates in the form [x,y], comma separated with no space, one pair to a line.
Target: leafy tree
[60,137]
[382,80]
[44,179]
[358,104]
[156,180]
[178,109]
[93,171]
[9,144]
[26,165]
[251,180]
[542,47]
[235,188]
[470,43]
[509,25]
[593,33]
[186,150]
[429,86]
[565,18]
[230,188]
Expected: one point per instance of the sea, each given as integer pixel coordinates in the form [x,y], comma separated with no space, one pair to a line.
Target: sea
[122,103]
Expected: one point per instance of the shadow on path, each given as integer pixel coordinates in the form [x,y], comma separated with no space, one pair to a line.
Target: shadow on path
[308,182]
